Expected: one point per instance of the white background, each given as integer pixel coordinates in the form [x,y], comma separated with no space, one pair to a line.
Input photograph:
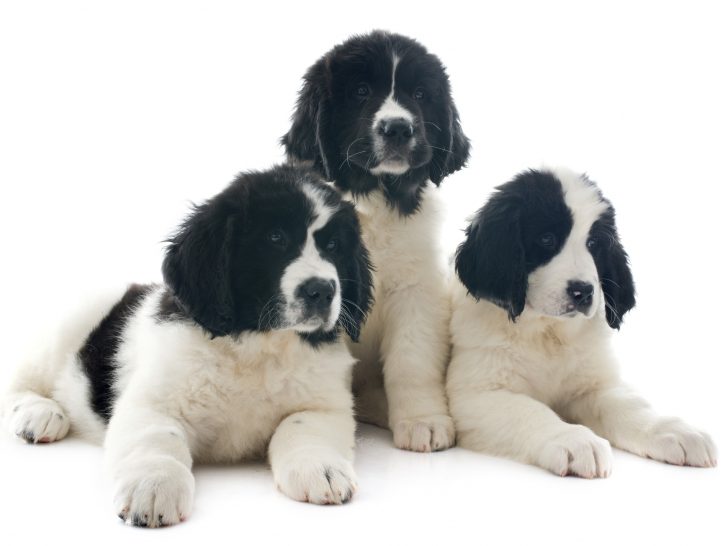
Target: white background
[114,117]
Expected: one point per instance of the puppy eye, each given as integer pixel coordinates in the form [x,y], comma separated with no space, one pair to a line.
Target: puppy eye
[332,245]
[419,93]
[592,243]
[547,240]
[362,90]
[277,237]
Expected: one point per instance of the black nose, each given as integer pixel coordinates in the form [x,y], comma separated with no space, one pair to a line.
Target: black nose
[580,294]
[317,294]
[396,130]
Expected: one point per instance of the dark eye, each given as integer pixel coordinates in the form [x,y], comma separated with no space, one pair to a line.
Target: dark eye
[419,94]
[277,237]
[332,245]
[592,243]
[362,90]
[547,240]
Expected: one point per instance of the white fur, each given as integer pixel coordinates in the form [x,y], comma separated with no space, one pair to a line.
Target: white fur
[309,265]
[403,346]
[546,390]
[390,109]
[185,397]
[547,284]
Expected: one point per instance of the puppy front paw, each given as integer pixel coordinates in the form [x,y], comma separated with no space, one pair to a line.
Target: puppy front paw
[38,420]
[326,479]
[153,491]
[675,442]
[577,452]
[429,433]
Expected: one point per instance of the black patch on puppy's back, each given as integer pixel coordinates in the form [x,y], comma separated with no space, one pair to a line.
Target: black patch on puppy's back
[98,354]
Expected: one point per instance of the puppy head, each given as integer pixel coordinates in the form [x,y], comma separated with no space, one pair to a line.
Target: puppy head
[548,240]
[275,250]
[376,113]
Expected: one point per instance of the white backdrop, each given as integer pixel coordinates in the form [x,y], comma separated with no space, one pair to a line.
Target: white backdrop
[115,116]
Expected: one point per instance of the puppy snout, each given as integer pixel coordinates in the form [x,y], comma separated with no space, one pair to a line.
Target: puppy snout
[580,294]
[396,131]
[317,294]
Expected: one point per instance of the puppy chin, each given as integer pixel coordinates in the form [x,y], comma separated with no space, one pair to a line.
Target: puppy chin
[308,325]
[391,166]
[563,311]
[314,324]
[569,312]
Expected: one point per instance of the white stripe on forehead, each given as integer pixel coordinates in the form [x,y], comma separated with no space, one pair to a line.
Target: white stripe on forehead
[395,62]
[582,198]
[390,107]
[321,211]
[310,264]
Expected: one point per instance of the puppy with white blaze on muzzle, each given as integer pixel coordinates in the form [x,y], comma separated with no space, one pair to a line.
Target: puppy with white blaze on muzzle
[376,117]
[543,281]
[237,354]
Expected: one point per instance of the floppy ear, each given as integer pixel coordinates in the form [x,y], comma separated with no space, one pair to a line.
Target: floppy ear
[456,150]
[491,260]
[356,293]
[307,138]
[196,268]
[616,280]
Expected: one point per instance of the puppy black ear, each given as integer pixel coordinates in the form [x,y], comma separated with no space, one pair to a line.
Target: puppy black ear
[307,138]
[491,260]
[456,151]
[615,275]
[196,268]
[356,292]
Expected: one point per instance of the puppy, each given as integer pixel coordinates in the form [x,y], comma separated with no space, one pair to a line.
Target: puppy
[375,116]
[238,352]
[544,279]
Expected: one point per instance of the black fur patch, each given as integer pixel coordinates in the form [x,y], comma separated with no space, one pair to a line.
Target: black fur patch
[169,309]
[223,268]
[504,242]
[332,125]
[97,356]
[612,264]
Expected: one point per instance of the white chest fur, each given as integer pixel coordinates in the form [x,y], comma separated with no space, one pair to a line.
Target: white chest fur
[404,250]
[229,394]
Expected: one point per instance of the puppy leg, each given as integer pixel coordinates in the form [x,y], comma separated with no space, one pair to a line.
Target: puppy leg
[149,461]
[629,423]
[371,406]
[521,428]
[311,454]
[370,400]
[415,349]
[36,419]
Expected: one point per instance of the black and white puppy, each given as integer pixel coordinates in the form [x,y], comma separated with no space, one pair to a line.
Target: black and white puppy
[544,280]
[236,354]
[375,115]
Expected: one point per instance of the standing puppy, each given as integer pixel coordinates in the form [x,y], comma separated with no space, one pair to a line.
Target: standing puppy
[236,354]
[544,279]
[375,115]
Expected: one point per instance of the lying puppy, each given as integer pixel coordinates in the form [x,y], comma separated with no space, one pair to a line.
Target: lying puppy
[375,115]
[236,353]
[545,278]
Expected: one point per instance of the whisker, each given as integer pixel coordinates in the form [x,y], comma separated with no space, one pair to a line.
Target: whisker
[438,148]
[354,305]
[349,157]
[346,159]
[610,280]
